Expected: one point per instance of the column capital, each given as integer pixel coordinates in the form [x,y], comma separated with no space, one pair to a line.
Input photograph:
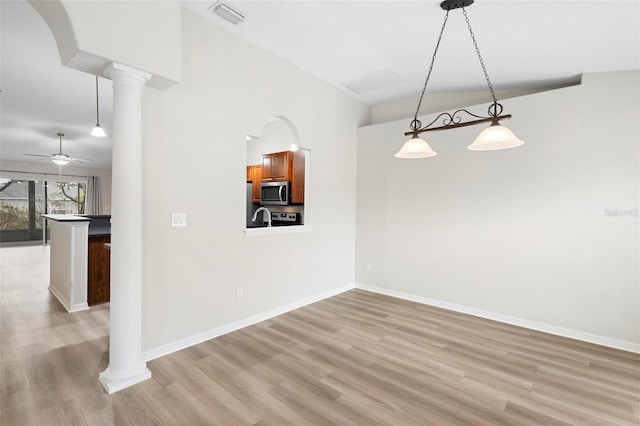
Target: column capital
[115,68]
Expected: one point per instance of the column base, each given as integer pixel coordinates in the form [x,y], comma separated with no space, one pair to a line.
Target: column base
[112,383]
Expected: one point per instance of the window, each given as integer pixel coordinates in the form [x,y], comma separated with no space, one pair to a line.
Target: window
[22,201]
[65,197]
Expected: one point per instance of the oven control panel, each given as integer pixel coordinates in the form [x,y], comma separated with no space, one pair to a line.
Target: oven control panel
[284,217]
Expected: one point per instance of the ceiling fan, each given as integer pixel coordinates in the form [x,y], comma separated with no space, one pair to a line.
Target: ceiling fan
[60,158]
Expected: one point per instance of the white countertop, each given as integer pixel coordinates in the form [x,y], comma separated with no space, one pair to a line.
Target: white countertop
[275,230]
[66,218]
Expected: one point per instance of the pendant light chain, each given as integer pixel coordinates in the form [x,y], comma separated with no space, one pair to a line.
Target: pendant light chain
[484,69]
[415,124]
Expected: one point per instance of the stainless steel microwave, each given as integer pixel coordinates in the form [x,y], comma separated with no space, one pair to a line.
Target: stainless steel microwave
[275,193]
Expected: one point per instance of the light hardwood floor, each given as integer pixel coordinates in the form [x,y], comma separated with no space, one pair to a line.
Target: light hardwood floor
[357,358]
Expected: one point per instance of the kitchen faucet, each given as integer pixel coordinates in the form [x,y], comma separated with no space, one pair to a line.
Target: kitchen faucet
[267,212]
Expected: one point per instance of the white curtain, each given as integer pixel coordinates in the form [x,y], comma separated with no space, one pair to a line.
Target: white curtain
[93,202]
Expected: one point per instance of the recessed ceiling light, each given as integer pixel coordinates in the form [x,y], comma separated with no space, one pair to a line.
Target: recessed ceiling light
[227,12]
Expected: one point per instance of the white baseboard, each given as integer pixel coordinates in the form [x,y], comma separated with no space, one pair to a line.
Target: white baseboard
[507,319]
[186,342]
[65,303]
[78,307]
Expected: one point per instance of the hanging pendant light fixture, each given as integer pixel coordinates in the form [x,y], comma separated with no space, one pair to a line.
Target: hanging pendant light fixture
[98,130]
[493,138]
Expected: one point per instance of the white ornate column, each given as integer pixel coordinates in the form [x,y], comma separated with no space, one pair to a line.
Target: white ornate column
[126,366]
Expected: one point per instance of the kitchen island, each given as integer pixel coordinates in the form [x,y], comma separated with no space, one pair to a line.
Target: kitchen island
[79,263]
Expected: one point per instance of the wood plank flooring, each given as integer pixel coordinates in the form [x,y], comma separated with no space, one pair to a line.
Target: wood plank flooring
[357,358]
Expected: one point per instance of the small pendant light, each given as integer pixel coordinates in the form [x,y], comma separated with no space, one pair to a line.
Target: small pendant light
[98,130]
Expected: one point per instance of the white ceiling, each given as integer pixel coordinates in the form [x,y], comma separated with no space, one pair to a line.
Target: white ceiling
[525,44]
[382,48]
[41,97]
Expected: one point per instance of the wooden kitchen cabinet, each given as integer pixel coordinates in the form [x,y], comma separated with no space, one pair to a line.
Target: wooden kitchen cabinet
[98,271]
[277,167]
[286,166]
[254,175]
[297,178]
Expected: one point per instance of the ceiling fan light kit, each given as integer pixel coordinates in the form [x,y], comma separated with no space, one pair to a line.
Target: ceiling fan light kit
[495,137]
[97,129]
[60,159]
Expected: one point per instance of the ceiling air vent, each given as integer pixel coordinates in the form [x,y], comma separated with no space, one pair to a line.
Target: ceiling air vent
[373,81]
[227,12]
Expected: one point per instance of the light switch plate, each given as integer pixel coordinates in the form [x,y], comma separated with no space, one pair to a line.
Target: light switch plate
[178,220]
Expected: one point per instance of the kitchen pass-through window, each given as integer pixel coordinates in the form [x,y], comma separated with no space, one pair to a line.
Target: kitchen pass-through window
[277,172]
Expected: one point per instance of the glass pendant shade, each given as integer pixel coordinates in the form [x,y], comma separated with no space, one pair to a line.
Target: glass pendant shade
[98,131]
[495,137]
[416,148]
[294,147]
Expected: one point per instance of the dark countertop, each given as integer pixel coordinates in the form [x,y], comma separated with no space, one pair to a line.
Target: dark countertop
[96,216]
[100,225]
[99,231]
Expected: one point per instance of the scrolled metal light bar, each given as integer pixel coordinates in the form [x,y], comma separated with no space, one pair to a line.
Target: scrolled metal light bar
[452,122]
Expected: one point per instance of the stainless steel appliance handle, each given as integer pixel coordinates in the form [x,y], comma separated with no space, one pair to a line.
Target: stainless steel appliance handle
[280,192]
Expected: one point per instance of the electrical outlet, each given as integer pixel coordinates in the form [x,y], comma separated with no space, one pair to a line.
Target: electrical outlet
[367,266]
[240,292]
[178,220]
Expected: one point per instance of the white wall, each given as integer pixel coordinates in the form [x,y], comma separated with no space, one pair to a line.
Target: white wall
[276,137]
[527,232]
[195,156]
[50,169]
[441,101]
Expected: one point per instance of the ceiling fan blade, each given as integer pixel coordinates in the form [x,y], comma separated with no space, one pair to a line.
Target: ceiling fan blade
[70,159]
[38,155]
[60,158]
[80,160]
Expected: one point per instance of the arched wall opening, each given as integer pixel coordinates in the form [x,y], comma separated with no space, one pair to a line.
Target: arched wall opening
[275,158]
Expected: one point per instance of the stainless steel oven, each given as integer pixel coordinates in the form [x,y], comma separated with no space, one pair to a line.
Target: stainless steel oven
[286,218]
[275,193]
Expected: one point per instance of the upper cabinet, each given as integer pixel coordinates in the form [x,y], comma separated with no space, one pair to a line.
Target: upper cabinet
[277,166]
[254,175]
[286,166]
[297,178]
